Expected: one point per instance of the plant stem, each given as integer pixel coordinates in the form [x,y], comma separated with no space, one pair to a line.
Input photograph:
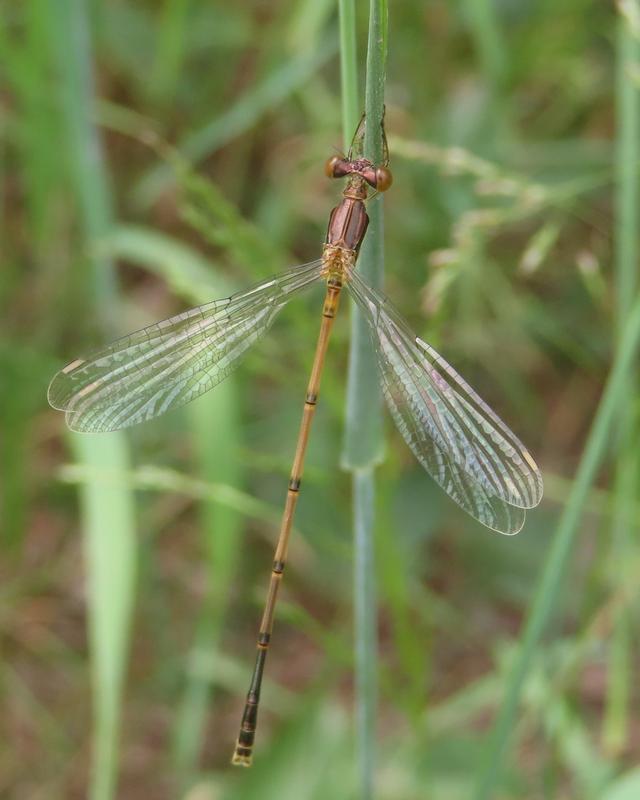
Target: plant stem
[483,19]
[108,510]
[222,543]
[363,436]
[627,463]
[70,29]
[366,623]
[627,173]
[348,70]
[613,400]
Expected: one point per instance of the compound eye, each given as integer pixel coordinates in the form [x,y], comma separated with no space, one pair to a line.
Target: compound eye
[384,179]
[330,166]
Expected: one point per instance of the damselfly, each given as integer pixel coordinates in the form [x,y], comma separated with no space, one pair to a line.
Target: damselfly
[456,437]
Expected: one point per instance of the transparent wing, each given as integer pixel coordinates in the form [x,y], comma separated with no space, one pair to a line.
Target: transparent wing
[170,363]
[454,434]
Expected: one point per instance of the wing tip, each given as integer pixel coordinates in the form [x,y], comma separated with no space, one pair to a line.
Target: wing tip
[75,423]
[55,395]
[513,532]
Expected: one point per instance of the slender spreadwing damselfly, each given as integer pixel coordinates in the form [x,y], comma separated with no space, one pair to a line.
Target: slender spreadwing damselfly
[456,437]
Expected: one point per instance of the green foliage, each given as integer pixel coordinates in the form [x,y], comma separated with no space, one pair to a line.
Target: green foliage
[110,552]
[132,578]
[363,427]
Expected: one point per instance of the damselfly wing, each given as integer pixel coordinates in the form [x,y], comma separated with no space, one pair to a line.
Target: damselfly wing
[458,439]
[170,363]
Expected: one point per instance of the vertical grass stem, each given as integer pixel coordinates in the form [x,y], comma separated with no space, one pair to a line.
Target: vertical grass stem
[612,401]
[627,465]
[108,510]
[363,436]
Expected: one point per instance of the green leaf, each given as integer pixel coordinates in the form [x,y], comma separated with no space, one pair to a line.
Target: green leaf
[626,787]
[107,508]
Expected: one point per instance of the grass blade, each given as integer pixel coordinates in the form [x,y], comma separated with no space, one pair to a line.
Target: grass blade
[627,172]
[263,98]
[171,48]
[69,30]
[348,70]
[366,624]
[363,435]
[628,209]
[110,551]
[613,401]
[215,429]
[484,23]
[107,509]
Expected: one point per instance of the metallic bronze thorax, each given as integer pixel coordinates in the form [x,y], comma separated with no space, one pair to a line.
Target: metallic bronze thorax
[348,220]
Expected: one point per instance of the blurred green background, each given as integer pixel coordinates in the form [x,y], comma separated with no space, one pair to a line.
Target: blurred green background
[133,567]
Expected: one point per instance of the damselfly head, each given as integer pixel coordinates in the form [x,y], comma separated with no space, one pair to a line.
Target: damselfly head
[384,179]
[379,178]
[332,165]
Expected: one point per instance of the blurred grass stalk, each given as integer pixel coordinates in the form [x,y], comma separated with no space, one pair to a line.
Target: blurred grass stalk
[614,412]
[490,41]
[627,467]
[215,425]
[363,435]
[171,49]
[110,556]
[348,70]
[108,510]
[262,98]
[483,21]
[613,401]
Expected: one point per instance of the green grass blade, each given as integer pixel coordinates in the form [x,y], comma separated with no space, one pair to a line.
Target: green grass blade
[71,40]
[616,722]
[626,787]
[206,209]
[187,272]
[215,427]
[171,48]
[627,172]
[257,101]
[363,436]
[155,479]
[483,19]
[275,88]
[348,70]
[110,552]
[613,401]
[109,528]
[366,635]
[215,430]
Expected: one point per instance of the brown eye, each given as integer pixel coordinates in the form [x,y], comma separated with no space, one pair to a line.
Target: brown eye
[330,166]
[384,179]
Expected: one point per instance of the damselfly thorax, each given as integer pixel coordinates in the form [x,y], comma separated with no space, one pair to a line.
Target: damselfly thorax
[348,221]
